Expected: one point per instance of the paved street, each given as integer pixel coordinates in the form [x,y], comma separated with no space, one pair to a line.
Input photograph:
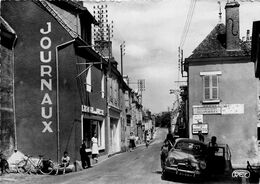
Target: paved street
[139,166]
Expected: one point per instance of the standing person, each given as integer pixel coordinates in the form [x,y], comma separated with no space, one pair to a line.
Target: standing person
[131,141]
[201,136]
[213,146]
[212,149]
[85,160]
[169,141]
[94,147]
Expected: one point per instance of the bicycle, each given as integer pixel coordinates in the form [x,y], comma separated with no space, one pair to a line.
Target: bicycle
[27,165]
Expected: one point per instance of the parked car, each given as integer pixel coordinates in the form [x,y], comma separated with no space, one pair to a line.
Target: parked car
[187,157]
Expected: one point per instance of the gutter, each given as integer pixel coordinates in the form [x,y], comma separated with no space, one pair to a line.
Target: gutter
[15,130]
[58,47]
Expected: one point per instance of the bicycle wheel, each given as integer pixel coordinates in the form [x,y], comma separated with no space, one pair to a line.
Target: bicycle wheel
[46,167]
[22,167]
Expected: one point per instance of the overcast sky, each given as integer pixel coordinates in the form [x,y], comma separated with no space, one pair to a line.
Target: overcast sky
[152,31]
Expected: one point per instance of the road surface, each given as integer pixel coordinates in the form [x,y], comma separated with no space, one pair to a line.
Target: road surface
[140,166]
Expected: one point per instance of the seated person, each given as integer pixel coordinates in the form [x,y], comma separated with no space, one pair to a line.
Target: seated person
[65,161]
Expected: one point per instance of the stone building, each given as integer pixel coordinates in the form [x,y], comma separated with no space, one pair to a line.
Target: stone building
[222,90]
[59,94]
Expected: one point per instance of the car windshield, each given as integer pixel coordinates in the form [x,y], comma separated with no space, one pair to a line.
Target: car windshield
[191,147]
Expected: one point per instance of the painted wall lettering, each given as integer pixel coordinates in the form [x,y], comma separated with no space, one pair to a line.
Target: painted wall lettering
[46,79]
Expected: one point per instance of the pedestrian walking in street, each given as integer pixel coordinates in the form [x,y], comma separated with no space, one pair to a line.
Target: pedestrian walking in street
[94,148]
[147,140]
[85,160]
[131,141]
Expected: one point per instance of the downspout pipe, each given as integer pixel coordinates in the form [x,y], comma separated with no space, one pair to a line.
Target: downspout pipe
[58,47]
[15,129]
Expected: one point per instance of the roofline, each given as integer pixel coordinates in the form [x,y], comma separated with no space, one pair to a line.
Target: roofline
[216,60]
[8,28]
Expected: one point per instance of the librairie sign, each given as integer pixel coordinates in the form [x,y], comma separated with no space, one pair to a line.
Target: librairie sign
[92,110]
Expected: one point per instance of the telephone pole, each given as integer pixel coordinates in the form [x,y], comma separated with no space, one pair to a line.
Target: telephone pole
[122,51]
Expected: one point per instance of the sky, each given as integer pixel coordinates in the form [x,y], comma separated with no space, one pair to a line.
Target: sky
[152,31]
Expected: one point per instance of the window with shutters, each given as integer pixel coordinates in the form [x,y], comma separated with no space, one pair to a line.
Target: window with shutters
[103,85]
[88,80]
[210,88]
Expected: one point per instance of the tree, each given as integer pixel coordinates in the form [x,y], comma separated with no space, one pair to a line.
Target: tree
[163,120]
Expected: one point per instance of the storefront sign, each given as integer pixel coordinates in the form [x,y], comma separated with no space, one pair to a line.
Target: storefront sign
[203,127]
[46,78]
[206,109]
[92,110]
[197,118]
[232,109]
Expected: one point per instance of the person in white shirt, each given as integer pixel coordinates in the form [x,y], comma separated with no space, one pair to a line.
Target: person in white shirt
[94,147]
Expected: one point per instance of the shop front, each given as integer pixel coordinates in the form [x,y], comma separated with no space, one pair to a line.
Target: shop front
[93,122]
[114,130]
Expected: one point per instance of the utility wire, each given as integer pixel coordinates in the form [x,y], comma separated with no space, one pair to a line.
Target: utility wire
[184,34]
[187,23]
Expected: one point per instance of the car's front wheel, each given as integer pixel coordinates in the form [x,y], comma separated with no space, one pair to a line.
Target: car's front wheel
[165,175]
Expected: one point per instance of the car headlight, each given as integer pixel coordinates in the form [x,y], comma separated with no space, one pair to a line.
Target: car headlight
[172,160]
[203,165]
[194,164]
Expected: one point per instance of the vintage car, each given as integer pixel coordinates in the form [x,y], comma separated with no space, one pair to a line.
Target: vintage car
[187,157]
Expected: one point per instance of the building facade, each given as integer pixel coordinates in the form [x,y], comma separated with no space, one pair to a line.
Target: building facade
[7,122]
[222,90]
[54,107]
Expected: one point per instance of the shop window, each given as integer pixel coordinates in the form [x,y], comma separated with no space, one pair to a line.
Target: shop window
[210,87]
[88,80]
[90,127]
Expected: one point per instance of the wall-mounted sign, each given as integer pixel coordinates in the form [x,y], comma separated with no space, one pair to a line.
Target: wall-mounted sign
[198,118]
[232,109]
[203,127]
[218,109]
[92,110]
[206,109]
[46,78]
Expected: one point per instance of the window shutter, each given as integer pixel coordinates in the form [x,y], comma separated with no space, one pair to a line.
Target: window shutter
[103,85]
[214,79]
[206,87]
[88,80]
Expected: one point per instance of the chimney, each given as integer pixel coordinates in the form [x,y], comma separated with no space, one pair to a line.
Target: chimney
[232,25]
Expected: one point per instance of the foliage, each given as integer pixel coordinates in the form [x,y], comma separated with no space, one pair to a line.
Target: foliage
[163,120]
